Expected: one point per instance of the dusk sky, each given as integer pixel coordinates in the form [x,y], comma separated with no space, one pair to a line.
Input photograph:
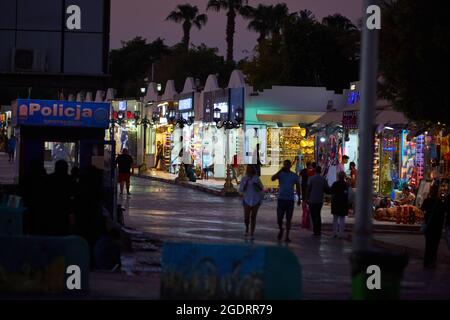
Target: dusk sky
[146,18]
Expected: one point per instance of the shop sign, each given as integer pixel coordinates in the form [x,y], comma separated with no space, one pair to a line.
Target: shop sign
[350,120]
[212,100]
[185,104]
[61,113]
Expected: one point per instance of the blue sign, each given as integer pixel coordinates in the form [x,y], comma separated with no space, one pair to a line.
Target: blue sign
[61,113]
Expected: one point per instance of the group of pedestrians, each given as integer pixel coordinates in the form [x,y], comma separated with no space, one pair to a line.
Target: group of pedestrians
[62,203]
[308,188]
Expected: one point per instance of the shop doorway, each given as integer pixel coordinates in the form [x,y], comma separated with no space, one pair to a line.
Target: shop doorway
[58,150]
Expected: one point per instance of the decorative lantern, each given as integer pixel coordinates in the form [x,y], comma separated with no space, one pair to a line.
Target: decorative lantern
[217,115]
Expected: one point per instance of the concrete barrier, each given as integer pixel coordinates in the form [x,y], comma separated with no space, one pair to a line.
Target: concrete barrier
[231,272]
[44,265]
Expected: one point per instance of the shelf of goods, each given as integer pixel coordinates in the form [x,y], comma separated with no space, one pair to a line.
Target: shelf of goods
[376,166]
[401,215]
[288,143]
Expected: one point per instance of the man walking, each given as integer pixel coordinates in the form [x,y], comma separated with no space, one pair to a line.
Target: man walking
[11,148]
[286,197]
[124,162]
[317,186]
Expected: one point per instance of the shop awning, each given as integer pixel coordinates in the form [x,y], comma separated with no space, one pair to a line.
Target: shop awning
[288,116]
[383,116]
[390,116]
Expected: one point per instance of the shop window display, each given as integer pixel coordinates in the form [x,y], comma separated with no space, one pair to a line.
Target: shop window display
[376,165]
[389,178]
[289,144]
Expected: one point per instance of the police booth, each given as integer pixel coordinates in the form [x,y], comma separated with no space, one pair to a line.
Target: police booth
[48,131]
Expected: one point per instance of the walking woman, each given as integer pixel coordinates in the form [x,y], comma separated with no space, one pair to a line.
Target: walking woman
[339,204]
[435,209]
[252,190]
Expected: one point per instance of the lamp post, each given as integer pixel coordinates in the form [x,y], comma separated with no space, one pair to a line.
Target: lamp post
[228,188]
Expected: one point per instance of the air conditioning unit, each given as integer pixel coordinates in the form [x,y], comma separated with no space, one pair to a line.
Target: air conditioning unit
[28,60]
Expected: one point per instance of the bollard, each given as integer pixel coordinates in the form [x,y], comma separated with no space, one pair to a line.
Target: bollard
[229,272]
[391,267]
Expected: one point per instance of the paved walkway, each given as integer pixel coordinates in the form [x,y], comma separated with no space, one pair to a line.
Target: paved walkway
[173,213]
[7,175]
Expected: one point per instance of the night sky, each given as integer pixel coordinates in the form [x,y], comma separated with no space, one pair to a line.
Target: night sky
[146,18]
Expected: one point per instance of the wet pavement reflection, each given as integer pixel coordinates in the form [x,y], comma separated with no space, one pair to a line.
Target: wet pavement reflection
[173,213]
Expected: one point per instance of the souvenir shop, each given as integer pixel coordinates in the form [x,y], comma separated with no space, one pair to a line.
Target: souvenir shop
[186,146]
[291,143]
[222,135]
[412,159]
[333,142]
[164,135]
[125,115]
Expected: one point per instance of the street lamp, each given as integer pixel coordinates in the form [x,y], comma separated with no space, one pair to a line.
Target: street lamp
[171,117]
[181,121]
[228,188]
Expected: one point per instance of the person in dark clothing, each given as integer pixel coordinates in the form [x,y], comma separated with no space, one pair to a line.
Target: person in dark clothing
[258,161]
[90,221]
[159,154]
[435,209]
[11,148]
[75,174]
[339,204]
[304,175]
[317,187]
[60,204]
[32,189]
[107,251]
[125,162]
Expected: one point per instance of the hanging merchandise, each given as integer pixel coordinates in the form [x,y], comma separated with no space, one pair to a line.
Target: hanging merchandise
[376,166]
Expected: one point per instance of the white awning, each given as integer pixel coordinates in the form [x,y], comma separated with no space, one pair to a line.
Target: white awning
[290,117]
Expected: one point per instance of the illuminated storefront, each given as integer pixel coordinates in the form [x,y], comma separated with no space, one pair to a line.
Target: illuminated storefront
[223,137]
[126,131]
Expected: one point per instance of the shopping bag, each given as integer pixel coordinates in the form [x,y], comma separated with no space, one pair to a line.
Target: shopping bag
[306,220]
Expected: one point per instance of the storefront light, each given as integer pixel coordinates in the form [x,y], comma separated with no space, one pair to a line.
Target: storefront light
[323,139]
[191,116]
[389,128]
[217,115]
[239,116]
[155,117]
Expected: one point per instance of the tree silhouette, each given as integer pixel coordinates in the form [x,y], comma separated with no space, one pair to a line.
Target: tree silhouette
[189,16]
[233,8]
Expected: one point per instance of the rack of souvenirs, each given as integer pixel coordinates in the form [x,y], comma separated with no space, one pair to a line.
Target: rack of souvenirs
[400,214]
[289,143]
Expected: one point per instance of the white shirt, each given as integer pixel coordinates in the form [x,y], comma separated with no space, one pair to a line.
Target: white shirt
[252,196]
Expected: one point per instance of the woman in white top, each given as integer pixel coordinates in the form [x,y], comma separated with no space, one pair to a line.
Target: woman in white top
[252,191]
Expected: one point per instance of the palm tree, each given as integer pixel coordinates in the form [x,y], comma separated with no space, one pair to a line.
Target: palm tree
[259,20]
[189,16]
[339,22]
[278,15]
[306,15]
[233,7]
